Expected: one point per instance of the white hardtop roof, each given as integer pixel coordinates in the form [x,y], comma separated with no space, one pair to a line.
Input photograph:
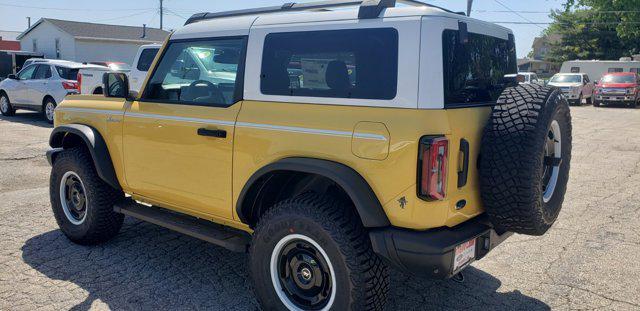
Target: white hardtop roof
[240,25]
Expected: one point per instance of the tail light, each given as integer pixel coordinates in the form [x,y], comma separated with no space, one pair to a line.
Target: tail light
[432,167]
[70,85]
[79,80]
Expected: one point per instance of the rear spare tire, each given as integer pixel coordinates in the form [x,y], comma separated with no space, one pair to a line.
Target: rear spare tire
[524,159]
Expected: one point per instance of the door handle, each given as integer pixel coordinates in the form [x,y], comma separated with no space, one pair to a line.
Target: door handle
[212,133]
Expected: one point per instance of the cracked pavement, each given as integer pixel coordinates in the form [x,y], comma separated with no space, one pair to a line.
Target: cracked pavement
[588,260]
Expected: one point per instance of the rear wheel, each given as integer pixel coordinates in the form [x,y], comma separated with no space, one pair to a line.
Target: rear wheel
[524,159]
[312,253]
[82,203]
[5,106]
[48,110]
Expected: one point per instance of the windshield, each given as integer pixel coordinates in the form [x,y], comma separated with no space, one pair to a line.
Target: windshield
[566,79]
[618,79]
[67,73]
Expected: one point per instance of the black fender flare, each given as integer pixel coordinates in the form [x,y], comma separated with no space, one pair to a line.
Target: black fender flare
[365,200]
[96,145]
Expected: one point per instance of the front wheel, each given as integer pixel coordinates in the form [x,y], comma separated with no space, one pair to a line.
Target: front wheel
[49,109]
[82,203]
[5,106]
[312,253]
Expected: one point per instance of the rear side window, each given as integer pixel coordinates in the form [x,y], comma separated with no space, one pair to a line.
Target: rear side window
[474,71]
[67,73]
[146,58]
[348,63]
[43,72]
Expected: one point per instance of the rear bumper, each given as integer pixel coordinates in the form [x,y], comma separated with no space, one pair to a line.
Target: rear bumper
[431,253]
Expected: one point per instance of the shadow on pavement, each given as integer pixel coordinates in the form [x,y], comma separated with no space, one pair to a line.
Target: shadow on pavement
[148,267]
[27,117]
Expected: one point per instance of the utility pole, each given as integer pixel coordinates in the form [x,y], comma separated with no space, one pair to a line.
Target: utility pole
[469,5]
[161,13]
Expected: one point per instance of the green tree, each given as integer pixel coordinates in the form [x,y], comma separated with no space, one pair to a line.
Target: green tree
[595,29]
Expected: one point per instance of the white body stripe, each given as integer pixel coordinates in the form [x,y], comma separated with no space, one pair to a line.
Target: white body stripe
[89,110]
[271,127]
[175,118]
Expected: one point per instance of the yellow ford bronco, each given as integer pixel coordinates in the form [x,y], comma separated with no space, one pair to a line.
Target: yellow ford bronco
[331,145]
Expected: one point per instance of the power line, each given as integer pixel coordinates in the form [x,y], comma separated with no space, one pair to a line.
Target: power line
[124,16]
[174,13]
[516,13]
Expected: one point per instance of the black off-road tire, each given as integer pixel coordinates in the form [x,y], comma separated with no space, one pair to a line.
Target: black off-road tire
[101,222]
[512,159]
[10,111]
[362,279]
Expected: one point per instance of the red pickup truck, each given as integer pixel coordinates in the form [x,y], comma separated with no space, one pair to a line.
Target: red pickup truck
[618,88]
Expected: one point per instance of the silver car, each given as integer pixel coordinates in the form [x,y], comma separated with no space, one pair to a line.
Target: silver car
[39,87]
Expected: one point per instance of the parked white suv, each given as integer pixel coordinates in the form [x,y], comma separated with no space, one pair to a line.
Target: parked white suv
[39,87]
[574,86]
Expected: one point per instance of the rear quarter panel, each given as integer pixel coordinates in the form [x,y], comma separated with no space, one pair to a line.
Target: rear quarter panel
[269,131]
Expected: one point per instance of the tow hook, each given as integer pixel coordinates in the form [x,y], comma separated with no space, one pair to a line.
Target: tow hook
[458,278]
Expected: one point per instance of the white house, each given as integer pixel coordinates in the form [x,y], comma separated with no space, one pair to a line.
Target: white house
[87,42]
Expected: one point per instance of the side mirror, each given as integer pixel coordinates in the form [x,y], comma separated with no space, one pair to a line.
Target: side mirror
[115,84]
[13,77]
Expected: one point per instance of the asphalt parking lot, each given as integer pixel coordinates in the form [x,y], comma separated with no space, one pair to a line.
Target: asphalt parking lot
[588,260]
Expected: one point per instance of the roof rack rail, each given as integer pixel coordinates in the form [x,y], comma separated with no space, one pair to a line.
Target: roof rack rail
[368,8]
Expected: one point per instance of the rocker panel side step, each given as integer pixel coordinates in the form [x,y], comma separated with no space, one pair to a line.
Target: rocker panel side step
[231,239]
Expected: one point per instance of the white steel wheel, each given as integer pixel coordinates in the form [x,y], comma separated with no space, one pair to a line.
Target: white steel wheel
[302,274]
[552,160]
[73,197]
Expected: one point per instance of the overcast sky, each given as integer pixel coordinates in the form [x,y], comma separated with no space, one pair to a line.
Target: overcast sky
[13,13]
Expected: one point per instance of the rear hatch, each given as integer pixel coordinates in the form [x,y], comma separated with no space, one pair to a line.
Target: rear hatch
[474,69]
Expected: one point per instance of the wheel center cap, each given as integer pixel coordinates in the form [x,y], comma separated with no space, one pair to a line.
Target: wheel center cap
[306,274]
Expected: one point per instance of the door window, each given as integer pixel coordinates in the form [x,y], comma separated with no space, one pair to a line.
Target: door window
[42,72]
[27,73]
[203,72]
